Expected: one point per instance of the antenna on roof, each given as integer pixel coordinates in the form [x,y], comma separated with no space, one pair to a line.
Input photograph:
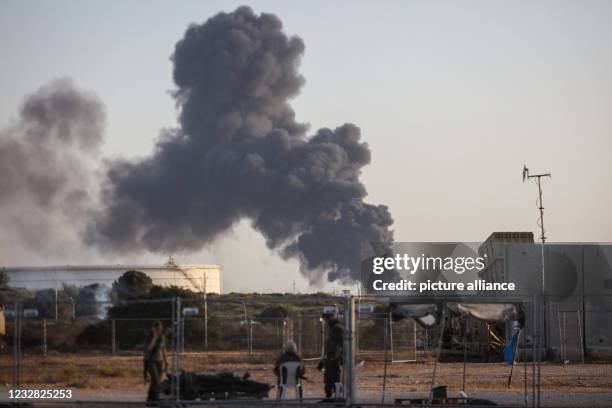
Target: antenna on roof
[171,262]
[538,178]
[527,176]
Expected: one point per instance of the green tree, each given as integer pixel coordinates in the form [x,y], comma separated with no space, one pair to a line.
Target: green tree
[4,280]
[45,301]
[275,311]
[131,285]
[71,290]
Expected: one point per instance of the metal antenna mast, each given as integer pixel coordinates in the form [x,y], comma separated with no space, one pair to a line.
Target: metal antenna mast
[541,314]
[538,178]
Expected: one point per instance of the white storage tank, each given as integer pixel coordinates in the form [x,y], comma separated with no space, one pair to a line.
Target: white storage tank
[194,277]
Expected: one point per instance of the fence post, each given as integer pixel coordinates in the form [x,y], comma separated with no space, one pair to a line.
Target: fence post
[300,331]
[349,350]
[534,337]
[414,326]
[182,335]
[276,330]
[174,370]
[391,336]
[17,343]
[322,337]
[580,329]
[561,354]
[465,333]
[438,350]
[524,355]
[175,389]
[113,337]
[385,339]
[357,316]
[177,364]
[205,315]
[250,337]
[19,320]
[45,337]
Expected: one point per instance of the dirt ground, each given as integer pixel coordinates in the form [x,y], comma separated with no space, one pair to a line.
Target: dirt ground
[119,378]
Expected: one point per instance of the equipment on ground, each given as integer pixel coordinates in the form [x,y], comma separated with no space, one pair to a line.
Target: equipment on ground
[217,386]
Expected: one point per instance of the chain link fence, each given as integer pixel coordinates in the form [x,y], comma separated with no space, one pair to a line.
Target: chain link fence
[101,355]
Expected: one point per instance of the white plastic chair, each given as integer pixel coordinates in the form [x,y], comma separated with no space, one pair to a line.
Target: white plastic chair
[288,377]
[339,391]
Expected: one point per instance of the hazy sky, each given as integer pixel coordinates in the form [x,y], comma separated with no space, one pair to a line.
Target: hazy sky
[452,97]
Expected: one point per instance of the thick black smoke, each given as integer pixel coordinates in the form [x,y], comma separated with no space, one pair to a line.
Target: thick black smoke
[47,161]
[239,153]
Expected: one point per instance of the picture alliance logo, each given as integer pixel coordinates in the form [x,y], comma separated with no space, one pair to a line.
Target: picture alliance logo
[413,264]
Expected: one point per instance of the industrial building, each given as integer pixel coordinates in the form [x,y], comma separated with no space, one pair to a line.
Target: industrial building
[577,312]
[193,277]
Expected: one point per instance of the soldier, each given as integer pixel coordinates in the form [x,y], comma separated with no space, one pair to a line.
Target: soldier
[334,346]
[289,353]
[155,361]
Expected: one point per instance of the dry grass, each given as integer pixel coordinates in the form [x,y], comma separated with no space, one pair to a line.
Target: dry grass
[125,373]
[77,371]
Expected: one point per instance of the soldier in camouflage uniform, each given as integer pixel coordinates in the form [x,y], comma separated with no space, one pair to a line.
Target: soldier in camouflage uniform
[155,361]
[334,347]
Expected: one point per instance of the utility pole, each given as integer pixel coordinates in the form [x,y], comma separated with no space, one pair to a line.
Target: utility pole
[73,307]
[56,300]
[204,291]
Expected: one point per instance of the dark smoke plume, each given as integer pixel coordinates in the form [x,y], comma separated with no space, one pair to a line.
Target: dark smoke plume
[239,153]
[47,161]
